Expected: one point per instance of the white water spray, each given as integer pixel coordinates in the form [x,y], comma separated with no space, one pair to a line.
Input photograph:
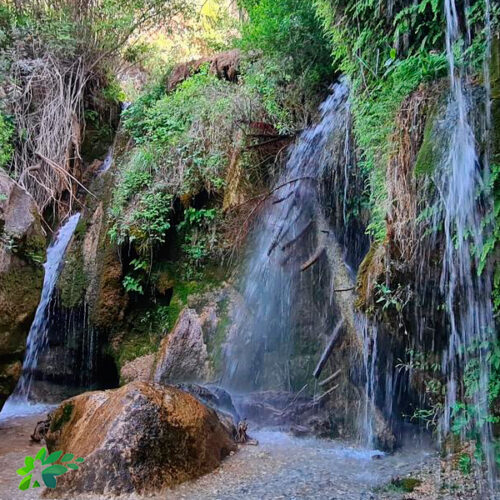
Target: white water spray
[38,334]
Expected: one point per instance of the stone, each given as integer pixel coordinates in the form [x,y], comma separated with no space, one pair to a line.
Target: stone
[183,355]
[219,400]
[140,369]
[139,438]
[224,65]
[22,249]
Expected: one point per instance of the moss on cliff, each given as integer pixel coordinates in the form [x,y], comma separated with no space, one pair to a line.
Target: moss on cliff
[73,281]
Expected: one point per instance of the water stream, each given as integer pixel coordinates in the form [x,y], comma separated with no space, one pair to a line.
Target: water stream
[273,289]
[38,334]
[467,295]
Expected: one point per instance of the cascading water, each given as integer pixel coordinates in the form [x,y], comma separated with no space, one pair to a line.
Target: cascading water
[283,240]
[38,334]
[467,295]
[297,290]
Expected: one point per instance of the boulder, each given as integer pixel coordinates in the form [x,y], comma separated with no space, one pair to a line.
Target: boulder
[219,400]
[224,65]
[183,355]
[140,438]
[138,370]
[22,250]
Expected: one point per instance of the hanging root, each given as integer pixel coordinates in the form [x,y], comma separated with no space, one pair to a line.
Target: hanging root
[46,100]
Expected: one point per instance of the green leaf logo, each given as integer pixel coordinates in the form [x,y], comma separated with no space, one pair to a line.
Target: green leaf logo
[50,473]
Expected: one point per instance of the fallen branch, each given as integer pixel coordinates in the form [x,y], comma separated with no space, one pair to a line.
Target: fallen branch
[65,172]
[293,400]
[330,378]
[313,259]
[328,350]
[344,289]
[294,240]
[318,399]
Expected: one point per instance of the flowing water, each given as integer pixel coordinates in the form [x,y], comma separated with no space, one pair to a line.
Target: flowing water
[272,319]
[38,334]
[297,290]
[468,296]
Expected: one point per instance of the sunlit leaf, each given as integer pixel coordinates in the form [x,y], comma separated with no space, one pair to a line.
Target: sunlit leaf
[56,470]
[25,483]
[53,457]
[41,454]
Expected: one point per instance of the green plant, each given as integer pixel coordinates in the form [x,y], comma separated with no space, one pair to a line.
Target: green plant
[199,237]
[465,463]
[6,135]
[51,472]
[132,284]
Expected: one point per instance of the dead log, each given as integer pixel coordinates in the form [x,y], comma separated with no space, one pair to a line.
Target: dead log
[313,259]
[330,378]
[328,350]
[293,400]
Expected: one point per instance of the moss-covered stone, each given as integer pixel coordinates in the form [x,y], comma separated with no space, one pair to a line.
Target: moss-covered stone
[73,281]
[22,250]
[216,340]
[428,156]
[362,285]
[61,417]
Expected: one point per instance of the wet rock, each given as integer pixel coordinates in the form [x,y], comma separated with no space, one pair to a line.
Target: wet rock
[212,396]
[139,438]
[22,250]
[138,370]
[183,355]
[219,400]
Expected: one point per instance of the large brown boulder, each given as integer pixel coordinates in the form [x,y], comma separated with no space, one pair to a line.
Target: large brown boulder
[139,438]
[22,251]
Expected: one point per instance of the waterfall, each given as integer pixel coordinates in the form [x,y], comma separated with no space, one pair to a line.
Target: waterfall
[37,337]
[467,295]
[270,318]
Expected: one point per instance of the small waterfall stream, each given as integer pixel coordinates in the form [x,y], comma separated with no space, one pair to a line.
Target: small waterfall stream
[467,294]
[38,334]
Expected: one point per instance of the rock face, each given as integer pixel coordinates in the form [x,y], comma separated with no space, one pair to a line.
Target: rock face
[139,438]
[183,354]
[22,250]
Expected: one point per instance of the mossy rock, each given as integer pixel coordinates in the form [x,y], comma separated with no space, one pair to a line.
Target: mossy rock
[61,417]
[405,484]
[362,291]
[73,281]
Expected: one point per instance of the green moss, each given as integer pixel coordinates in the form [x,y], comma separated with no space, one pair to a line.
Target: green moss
[362,291]
[73,282]
[62,417]
[428,157]
[401,485]
[81,228]
[135,346]
[19,293]
[214,342]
